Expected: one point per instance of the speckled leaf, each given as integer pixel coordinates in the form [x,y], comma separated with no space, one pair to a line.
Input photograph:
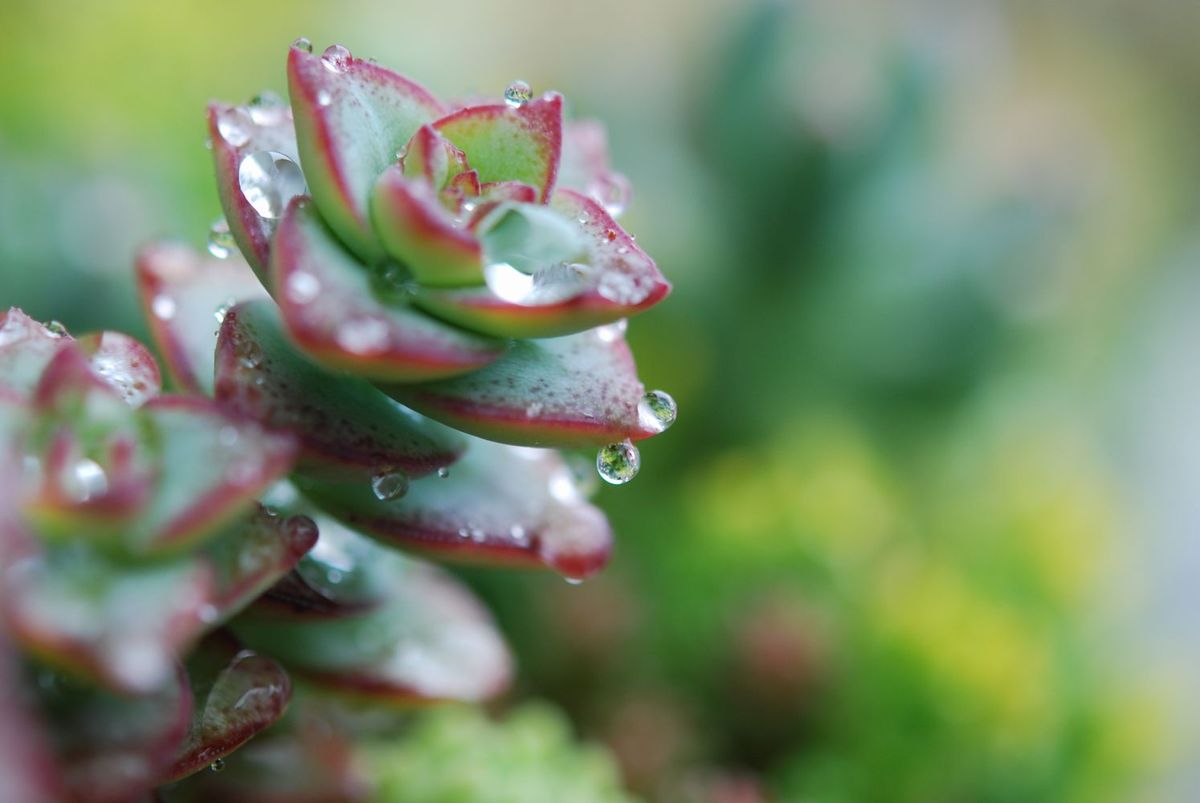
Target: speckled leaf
[181,291]
[237,693]
[504,143]
[238,132]
[123,363]
[332,312]
[343,423]
[578,390]
[114,748]
[430,641]
[416,229]
[26,347]
[621,280]
[352,116]
[499,504]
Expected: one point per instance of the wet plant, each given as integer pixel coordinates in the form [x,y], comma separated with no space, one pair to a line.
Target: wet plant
[409,307]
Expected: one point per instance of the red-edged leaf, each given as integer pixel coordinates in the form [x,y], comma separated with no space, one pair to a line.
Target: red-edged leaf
[417,230]
[352,116]
[238,132]
[213,466]
[618,280]
[333,314]
[504,143]
[430,641]
[499,504]
[181,292]
[124,363]
[344,424]
[432,157]
[237,694]
[115,748]
[580,390]
[27,762]
[26,347]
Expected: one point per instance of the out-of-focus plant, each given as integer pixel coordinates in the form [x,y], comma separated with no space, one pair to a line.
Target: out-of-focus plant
[432,299]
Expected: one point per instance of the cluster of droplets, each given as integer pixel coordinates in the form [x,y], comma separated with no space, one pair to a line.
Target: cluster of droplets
[618,463]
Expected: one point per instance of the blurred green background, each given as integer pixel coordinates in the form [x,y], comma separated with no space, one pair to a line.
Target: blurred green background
[926,528]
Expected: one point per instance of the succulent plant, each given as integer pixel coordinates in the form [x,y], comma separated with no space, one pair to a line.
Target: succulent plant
[429,300]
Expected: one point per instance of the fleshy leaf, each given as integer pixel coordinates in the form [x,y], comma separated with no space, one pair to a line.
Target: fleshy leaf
[430,641]
[238,133]
[432,157]
[580,390]
[114,747]
[499,504]
[417,230]
[182,292]
[504,143]
[26,348]
[343,423]
[27,763]
[237,694]
[333,314]
[616,280]
[352,116]
[125,364]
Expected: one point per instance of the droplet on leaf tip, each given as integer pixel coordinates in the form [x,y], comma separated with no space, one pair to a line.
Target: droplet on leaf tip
[618,463]
[303,43]
[518,93]
[336,58]
[657,410]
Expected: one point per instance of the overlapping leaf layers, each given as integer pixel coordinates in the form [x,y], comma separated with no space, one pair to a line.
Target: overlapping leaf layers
[432,300]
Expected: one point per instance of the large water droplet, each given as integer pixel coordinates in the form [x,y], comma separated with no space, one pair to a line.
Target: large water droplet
[389,485]
[269,180]
[518,93]
[302,287]
[220,240]
[508,283]
[549,285]
[234,126]
[336,58]
[85,480]
[618,463]
[393,282]
[304,43]
[657,410]
[267,108]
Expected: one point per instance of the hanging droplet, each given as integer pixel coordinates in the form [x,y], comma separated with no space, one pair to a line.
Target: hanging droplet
[220,240]
[618,463]
[56,328]
[389,485]
[217,765]
[303,43]
[336,58]
[302,287]
[443,472]
[657,410]
[518,93]
[267,108]
[323,97]
[234,126]
[269,180]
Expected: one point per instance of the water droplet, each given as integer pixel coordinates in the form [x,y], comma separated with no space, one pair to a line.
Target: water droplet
[393,282]
[208,614]
[302,287]
[267,108]
[269,180]
[657,410]
[574,581]
[549,285]
[336,58]
[518,534]
[300,528]
[362,335]
[56,329]
[220,240]
[612,191]
[218,765]
[163,307]
[85,480]
[613,331]
[389,485]
[304,43]
[443,472]
[518,93]
[223,309]
[618,463]
[323,97]
[234,126]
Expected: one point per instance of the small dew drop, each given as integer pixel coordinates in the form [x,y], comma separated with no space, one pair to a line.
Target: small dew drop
[518,93]
[267,108]
[56,328]
[234,126]
[443,473]
[303,43]
[223,309]
[362,335]
[618,463]
[218,765]
[323,97]
[302,287]
[534,410]
[389,485]
[163,307]
[269,180]
[336,58]
[657,410]
[220,240]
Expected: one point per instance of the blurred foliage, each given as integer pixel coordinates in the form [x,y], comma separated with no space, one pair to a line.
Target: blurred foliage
[876,558]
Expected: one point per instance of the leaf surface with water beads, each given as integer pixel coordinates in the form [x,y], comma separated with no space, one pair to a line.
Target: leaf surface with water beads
[498,505]
[510,143]
[182,292]
[429,640]
[617,280]
[352,116]
[237,693]
[240,135]
[580,390]
[336,316]
[343,423]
